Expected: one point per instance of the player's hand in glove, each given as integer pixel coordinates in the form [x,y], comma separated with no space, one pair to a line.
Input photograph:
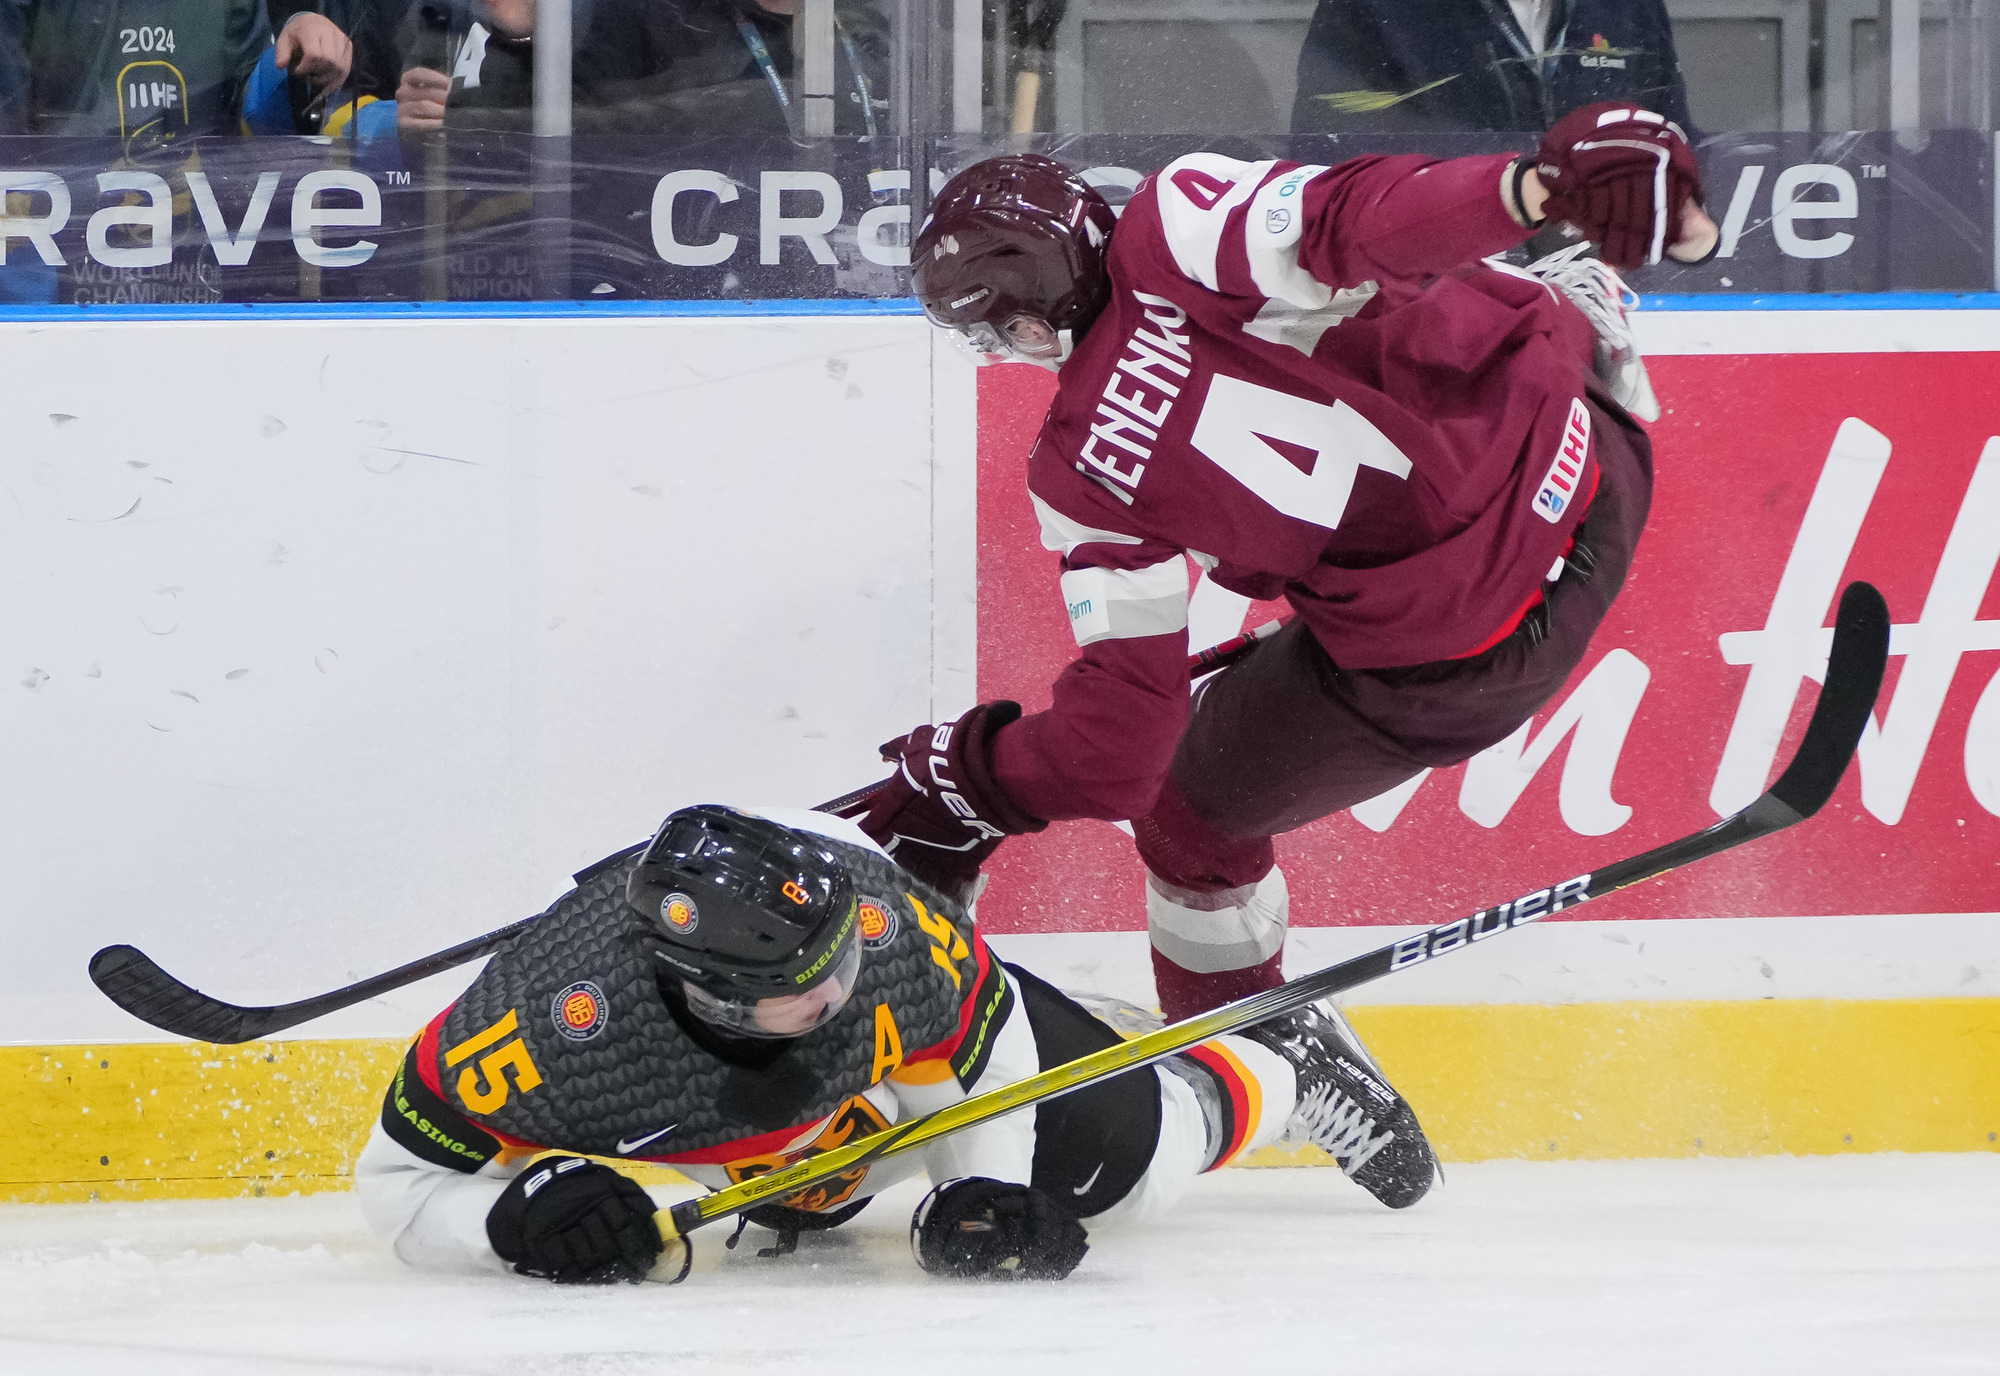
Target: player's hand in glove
[575,1222]
[943,813]
[1627,178]
[976,1228]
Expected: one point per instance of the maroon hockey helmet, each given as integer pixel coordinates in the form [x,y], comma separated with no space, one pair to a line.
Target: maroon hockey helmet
[1013,258]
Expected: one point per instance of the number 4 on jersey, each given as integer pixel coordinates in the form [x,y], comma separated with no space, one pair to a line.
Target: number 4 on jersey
[1230,433]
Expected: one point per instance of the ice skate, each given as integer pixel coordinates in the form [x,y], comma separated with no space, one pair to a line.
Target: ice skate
[1348,1108]
[1595,288]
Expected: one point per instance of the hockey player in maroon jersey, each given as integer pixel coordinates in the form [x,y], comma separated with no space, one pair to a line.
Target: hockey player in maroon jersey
[1305,380]
[747,989]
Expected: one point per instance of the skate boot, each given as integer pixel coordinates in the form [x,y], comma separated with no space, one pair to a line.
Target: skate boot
[1348,1108]
[1595,288]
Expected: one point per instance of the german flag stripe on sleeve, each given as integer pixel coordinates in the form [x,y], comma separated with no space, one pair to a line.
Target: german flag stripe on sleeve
[1243,1101]
[981,1019]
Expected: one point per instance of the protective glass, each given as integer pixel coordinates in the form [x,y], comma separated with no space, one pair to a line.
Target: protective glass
[788,1015]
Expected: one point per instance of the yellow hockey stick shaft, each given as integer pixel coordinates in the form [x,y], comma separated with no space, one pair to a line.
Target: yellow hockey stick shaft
[903,1138]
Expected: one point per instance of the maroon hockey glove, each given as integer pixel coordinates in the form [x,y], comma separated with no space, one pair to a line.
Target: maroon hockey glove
[976,1228]
[1621,175]
[943,813]
[574,1222]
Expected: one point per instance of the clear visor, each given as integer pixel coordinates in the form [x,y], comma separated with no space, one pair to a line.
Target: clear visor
[1023,338]
[788,1015]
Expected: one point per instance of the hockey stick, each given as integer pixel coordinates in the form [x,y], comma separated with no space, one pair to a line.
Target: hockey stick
[1853,676]
[135,982]
[1221,656]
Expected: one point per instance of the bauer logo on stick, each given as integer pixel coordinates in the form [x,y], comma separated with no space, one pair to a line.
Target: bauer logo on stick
[580,1011]
[678,911]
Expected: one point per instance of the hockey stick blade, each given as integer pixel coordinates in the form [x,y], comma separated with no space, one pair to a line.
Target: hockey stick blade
[1854,670]
[134,981]
[1853,677]
[129,978]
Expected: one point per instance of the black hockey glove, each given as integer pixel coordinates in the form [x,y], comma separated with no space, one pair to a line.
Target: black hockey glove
[943,813]
[976,1228]
[575,1222]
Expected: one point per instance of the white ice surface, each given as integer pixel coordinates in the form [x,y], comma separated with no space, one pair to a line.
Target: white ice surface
[1863,1264]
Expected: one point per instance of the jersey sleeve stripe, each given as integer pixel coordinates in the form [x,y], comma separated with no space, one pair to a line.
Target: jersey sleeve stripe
[990,1006]
[1245,1097]
[1063,534]
[1124,604]
[1193,230]
[1271,227]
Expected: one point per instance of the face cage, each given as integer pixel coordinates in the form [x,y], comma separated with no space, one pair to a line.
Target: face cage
[781,1016]
[1004,345]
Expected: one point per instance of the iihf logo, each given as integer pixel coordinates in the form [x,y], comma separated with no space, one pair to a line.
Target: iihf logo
[1566,469]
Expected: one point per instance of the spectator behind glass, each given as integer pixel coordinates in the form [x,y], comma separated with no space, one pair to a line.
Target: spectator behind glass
[149,74]
[372,27]
[690,68]
[1454,65]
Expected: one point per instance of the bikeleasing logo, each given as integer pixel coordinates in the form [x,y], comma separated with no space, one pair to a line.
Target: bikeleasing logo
[1793,644]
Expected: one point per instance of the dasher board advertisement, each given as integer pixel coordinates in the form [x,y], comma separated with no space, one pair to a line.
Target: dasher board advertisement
[1778,478]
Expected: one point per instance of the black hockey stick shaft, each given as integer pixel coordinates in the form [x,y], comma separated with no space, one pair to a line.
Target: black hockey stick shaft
[1853,678]
[135,982]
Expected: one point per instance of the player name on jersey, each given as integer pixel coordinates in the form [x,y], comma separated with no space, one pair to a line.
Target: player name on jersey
[1152,357]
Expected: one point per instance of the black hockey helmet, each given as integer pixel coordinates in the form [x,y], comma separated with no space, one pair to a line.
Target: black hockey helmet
[758,920]
[1013,258]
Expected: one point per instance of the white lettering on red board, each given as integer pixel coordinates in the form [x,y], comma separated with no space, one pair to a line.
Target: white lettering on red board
[1791,647]
[1794,642]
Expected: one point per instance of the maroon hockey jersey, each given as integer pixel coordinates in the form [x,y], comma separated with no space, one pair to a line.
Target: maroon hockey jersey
[1307,383]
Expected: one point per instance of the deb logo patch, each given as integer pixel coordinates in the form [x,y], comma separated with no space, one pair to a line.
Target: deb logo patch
[1558,489]
[678,911]
[878,923]
[580,1011]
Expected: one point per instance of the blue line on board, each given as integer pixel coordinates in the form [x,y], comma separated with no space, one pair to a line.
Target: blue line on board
[463,310]
[895,305]
[1827,301]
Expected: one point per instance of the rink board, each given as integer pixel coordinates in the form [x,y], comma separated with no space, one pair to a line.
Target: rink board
[1802,1077]
[336,642]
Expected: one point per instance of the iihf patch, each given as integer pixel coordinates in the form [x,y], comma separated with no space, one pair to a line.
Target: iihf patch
[678,911]
[1559,486]
[878,922]
[580,1011]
